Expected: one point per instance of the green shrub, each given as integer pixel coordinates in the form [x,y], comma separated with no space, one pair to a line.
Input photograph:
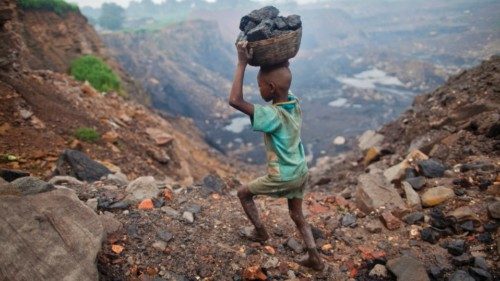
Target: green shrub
[58,6]
[97,72]
[87,134]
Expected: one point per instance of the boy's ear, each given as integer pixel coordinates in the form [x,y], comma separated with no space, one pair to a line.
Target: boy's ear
[272,86]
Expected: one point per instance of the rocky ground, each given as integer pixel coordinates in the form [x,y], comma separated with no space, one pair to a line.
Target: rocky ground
[419,199]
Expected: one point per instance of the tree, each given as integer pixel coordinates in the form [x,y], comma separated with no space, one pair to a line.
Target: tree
[112,16]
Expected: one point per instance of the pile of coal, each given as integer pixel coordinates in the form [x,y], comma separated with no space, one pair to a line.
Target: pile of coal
[265,23]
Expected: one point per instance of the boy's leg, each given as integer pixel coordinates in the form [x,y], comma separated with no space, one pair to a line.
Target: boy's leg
[313,260]
[246,199]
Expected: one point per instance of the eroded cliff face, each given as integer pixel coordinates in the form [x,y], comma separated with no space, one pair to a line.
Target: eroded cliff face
[48,41]
[42,107]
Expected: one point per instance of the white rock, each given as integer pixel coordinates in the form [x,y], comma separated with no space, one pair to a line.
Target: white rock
[339,140]
[272,262]
[378,270]
[188,217]
[118,178]
[370,139]
[25,114]
[159,245]
[92,203]
[142,188]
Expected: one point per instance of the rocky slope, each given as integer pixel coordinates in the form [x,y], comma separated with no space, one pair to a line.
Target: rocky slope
[42,109]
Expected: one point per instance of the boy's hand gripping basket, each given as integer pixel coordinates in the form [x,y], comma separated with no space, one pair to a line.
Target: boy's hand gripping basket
[275,50]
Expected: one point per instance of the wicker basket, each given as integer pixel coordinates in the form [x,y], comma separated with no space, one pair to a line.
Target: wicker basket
[275,50]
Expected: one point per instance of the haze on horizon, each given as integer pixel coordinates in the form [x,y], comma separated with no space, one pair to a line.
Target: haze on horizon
[124,3]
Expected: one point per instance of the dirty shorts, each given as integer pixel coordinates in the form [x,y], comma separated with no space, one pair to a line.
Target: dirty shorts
[270,187]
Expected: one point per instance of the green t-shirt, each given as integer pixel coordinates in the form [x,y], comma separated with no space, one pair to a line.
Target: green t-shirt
[281,123]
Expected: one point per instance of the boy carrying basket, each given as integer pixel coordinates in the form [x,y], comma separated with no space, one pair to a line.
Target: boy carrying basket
[287,171]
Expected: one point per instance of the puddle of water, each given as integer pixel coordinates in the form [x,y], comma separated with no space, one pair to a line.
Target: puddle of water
[370,78]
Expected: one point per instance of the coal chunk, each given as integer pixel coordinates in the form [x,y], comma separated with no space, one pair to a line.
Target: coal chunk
[78,165]
[460,275]
[257,16]
[456,247]
[268,12]
[10,175]
[417,182]
[431,168]
[430,235]
[294,22]
[414,218]
[468,226]
[436,272]
[280,23]
[261,32]
[249,26]
[462,260]
[265,23]
[480,274]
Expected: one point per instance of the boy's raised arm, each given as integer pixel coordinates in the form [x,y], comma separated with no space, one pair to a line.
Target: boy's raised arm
[236,99]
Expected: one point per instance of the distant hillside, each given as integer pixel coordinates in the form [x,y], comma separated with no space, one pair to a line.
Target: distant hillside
[184,66]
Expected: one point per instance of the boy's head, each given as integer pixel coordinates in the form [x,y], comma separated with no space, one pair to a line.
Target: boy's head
[274,81]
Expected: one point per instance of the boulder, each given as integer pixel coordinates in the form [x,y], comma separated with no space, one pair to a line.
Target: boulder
[408,268]
[436,195]
[48,236]
[373,192]
[141,188]
[7,188]
[78,165]
[31,185]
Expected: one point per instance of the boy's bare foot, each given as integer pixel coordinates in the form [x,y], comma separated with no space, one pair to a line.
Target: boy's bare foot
[312,262]
[252,234]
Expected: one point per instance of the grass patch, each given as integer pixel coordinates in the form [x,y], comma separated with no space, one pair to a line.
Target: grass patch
[59,7]
[97,72]
[87,134]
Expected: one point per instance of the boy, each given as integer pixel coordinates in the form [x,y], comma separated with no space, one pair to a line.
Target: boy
[287,168]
